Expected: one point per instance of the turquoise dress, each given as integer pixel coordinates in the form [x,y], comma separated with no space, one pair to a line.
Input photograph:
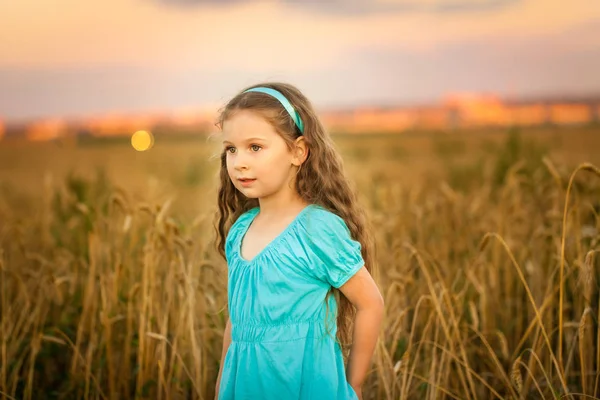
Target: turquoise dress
[283,332]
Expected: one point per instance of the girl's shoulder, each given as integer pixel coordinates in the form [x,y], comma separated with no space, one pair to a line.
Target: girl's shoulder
[333,255]
[245,216]
[240,222]
[321,223]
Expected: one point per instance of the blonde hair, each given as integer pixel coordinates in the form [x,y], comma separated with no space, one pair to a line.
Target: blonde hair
[320,180]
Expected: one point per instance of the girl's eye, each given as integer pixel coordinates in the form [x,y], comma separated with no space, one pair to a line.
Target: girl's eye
[255,147]
[229,148]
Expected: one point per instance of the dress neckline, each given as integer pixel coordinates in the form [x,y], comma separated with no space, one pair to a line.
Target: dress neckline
[272,242]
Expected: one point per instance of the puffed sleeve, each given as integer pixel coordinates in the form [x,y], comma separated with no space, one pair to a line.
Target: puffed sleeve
[230,240]
[234,232]
[335,256]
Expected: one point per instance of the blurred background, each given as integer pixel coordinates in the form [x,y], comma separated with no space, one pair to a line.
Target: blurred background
[458,120]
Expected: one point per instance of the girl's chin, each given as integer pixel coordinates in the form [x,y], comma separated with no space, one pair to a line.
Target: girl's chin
[248,192]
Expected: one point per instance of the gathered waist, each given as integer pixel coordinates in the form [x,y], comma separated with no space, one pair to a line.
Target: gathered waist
[283,332]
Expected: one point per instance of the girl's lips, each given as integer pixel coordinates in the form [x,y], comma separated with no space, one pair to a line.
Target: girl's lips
[246,182]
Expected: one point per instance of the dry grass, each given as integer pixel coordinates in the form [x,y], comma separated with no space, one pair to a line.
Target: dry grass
[488,248]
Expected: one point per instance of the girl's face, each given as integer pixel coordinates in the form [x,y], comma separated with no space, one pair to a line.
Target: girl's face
[259,163]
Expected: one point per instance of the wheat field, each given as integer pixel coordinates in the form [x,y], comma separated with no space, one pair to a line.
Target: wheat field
[487,244]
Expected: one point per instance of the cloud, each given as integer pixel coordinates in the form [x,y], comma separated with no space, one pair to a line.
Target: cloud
[537,66]
[365,7]
[189,3]
[260,36]
[359,7]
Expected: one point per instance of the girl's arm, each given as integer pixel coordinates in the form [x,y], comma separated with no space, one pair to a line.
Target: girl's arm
[363,293]
[226,343]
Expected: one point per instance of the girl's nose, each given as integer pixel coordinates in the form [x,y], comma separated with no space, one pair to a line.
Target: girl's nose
[240,163]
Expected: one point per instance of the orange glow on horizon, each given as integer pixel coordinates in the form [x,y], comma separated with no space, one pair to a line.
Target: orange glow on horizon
[454,111]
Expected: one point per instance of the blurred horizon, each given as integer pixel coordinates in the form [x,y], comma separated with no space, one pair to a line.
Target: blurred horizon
[68,59]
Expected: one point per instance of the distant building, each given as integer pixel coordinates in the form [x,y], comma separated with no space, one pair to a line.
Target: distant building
[455,111]
[471,110]
[465,111]
[118,125]
[47,129]
[570,114]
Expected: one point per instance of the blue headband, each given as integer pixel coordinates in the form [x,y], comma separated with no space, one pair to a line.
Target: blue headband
[284,102]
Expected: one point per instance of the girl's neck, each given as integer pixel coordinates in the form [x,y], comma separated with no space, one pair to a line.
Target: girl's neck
[281,207]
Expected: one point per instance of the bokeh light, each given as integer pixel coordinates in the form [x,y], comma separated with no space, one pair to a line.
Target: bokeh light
[142,140]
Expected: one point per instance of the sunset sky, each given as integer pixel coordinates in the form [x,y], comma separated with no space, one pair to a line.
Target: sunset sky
[75,58]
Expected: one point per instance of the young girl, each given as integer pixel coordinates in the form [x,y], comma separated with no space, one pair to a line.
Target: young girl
[298,253]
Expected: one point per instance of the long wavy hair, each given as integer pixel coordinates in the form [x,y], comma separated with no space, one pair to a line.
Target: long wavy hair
[320,180]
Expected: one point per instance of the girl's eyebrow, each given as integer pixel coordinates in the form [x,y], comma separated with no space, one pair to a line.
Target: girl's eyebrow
[254,139]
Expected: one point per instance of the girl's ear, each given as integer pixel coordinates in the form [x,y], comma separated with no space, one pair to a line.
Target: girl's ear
[299,151]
